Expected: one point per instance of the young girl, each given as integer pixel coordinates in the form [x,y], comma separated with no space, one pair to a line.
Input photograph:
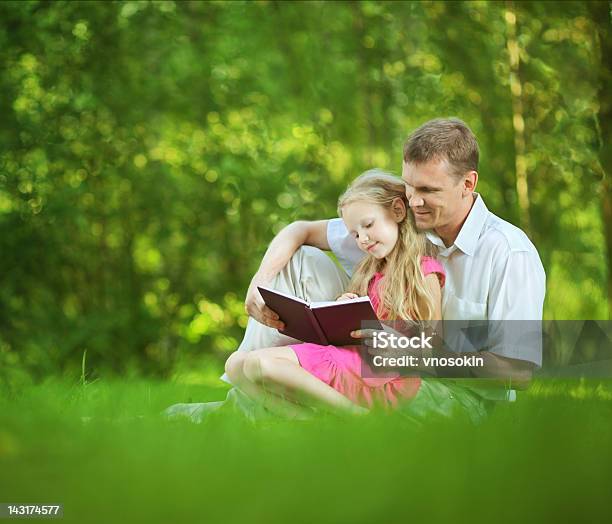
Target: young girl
[402,283]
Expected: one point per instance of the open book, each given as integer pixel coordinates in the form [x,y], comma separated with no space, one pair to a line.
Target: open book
[321,322]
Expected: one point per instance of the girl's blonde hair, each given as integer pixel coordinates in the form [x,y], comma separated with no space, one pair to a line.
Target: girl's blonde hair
[403,293]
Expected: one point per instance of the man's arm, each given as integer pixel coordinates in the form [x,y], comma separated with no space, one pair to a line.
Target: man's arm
[514,312]
[515,306]
[278,254]
[499,370]
[504,370]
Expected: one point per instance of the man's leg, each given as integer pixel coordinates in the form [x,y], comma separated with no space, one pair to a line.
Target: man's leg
[441,398]
[310,275]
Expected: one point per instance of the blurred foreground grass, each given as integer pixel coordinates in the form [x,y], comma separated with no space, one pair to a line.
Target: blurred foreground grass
[104,451]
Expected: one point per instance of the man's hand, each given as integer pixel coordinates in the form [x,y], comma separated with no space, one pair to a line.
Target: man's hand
[346,296]
[256,307]
[281,249]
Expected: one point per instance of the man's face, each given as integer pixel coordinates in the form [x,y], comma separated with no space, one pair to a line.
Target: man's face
[434,195]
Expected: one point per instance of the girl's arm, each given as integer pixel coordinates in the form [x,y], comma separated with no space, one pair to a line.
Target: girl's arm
[434,324]
[432,283]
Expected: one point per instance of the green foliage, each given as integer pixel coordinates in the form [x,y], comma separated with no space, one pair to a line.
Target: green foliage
[105,452]
[150,151]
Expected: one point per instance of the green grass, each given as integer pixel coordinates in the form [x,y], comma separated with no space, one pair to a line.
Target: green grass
[104,451]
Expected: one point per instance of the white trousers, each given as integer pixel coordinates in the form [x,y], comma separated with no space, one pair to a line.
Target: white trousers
[310,275]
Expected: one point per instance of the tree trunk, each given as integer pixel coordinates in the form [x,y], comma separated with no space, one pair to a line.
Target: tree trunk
[600,17]
[518,122]
[364,92]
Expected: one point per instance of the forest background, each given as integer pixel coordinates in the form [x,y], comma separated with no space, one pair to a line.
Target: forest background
[151,150]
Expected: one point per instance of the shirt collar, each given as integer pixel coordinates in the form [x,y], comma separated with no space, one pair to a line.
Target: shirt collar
[470,231]
[435,239]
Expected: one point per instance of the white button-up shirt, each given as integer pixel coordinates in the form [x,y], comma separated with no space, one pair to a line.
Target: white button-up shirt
[493,272]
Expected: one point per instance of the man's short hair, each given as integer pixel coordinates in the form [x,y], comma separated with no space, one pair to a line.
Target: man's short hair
[447,139]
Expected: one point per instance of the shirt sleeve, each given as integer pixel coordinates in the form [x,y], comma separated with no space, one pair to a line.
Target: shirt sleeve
[515,306]
[518,286]
[343,245]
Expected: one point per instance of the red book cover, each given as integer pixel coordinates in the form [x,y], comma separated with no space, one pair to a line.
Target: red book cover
[321,322]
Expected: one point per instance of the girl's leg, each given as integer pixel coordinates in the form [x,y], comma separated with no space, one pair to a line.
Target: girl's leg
[277,404]
[277,370]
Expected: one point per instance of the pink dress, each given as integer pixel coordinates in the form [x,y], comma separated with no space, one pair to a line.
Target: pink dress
[340,367]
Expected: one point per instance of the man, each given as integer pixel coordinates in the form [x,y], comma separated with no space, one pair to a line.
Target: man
[493,270]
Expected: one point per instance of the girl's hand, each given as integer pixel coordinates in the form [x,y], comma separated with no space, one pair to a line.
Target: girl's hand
[347,296]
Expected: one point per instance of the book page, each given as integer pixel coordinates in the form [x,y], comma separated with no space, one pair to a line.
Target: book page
[315,305]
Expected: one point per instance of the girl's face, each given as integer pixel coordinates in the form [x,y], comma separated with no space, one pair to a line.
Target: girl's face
[375,228]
